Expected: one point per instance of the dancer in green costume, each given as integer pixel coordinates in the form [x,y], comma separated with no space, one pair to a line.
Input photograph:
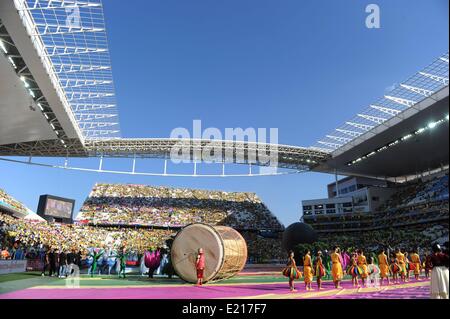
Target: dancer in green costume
[122,259]
[95,256]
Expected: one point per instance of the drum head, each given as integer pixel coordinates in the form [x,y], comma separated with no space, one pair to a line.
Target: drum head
[185,248]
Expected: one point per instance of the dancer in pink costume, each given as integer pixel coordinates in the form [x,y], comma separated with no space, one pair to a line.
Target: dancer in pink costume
[152,261]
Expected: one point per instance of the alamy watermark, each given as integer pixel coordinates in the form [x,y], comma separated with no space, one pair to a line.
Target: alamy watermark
[373,19]
[237,145]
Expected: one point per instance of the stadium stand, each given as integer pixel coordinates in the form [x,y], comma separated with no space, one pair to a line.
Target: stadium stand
[10,204]
[145,217]
[420,207]
[117,204]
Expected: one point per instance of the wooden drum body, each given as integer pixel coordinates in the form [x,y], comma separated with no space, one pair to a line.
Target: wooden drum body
[224,248]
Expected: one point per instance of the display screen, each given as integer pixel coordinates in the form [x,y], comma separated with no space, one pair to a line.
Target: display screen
[58,208]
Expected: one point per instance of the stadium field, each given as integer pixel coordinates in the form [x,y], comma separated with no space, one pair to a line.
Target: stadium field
[32,286]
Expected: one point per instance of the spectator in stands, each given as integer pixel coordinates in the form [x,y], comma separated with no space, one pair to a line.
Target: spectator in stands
[5,253]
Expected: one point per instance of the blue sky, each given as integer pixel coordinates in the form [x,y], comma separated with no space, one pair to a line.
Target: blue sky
[303,67]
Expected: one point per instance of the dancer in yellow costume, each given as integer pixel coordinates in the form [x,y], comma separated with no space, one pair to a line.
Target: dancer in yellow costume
[362,266]
[415,259]
[307,270]
[336,268]
[401,263]
[384,267]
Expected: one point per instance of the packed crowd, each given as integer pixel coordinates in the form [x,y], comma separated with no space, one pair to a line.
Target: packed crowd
[32,238]
[8,201]
[34,235]
[419,191]
[121,204]
[418,205]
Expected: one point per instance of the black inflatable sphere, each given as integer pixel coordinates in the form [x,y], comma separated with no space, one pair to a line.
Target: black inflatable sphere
[298,233]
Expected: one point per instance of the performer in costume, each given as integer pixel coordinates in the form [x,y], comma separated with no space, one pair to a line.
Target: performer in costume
[319,269]
[291,271]
[122,261]
[439,273]
[384,267]
[415,260]
[346,259]
[401,263]
[326,261]
[394,268]
[353,270]
[374,272]
[307,270]
[152,261]
[200,266]
[95,254]
[362,266]
[427,265]
[112,259]
[408,266]
[336,268]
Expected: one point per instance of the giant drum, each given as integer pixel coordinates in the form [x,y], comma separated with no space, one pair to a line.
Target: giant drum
[224,248]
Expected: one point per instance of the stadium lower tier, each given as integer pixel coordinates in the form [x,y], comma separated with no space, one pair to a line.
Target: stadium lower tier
[31,235]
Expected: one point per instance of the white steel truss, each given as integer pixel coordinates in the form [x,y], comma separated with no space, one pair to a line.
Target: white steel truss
[363,127]
[443,80]
[70,35]
[371,118]
[93,116]
[339,138]
[386,110]
[80,107]
[333,145]
[423,92]
[75,68]
[416,88]
[349,133]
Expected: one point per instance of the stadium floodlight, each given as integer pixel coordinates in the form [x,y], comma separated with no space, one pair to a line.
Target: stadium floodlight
[31,93]
[407,136]
[40,106]
[432,125]
[12,62]
[447,118]
[24,81]
[2,45]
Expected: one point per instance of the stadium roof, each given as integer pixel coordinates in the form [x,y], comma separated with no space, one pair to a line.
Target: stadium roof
[407,145]
[58,100]
[68,52]
[402,97]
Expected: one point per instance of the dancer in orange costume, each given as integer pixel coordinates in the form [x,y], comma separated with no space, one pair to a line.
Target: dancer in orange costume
[319,270]
[401,263]
[307,270]
[384,267]
[362,266]
[291,271]
[415,259]
[336,268]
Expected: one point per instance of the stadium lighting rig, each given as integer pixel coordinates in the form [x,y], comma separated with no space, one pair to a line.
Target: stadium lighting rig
[428,127]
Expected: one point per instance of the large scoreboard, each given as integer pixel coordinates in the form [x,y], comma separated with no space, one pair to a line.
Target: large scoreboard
[57,209]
